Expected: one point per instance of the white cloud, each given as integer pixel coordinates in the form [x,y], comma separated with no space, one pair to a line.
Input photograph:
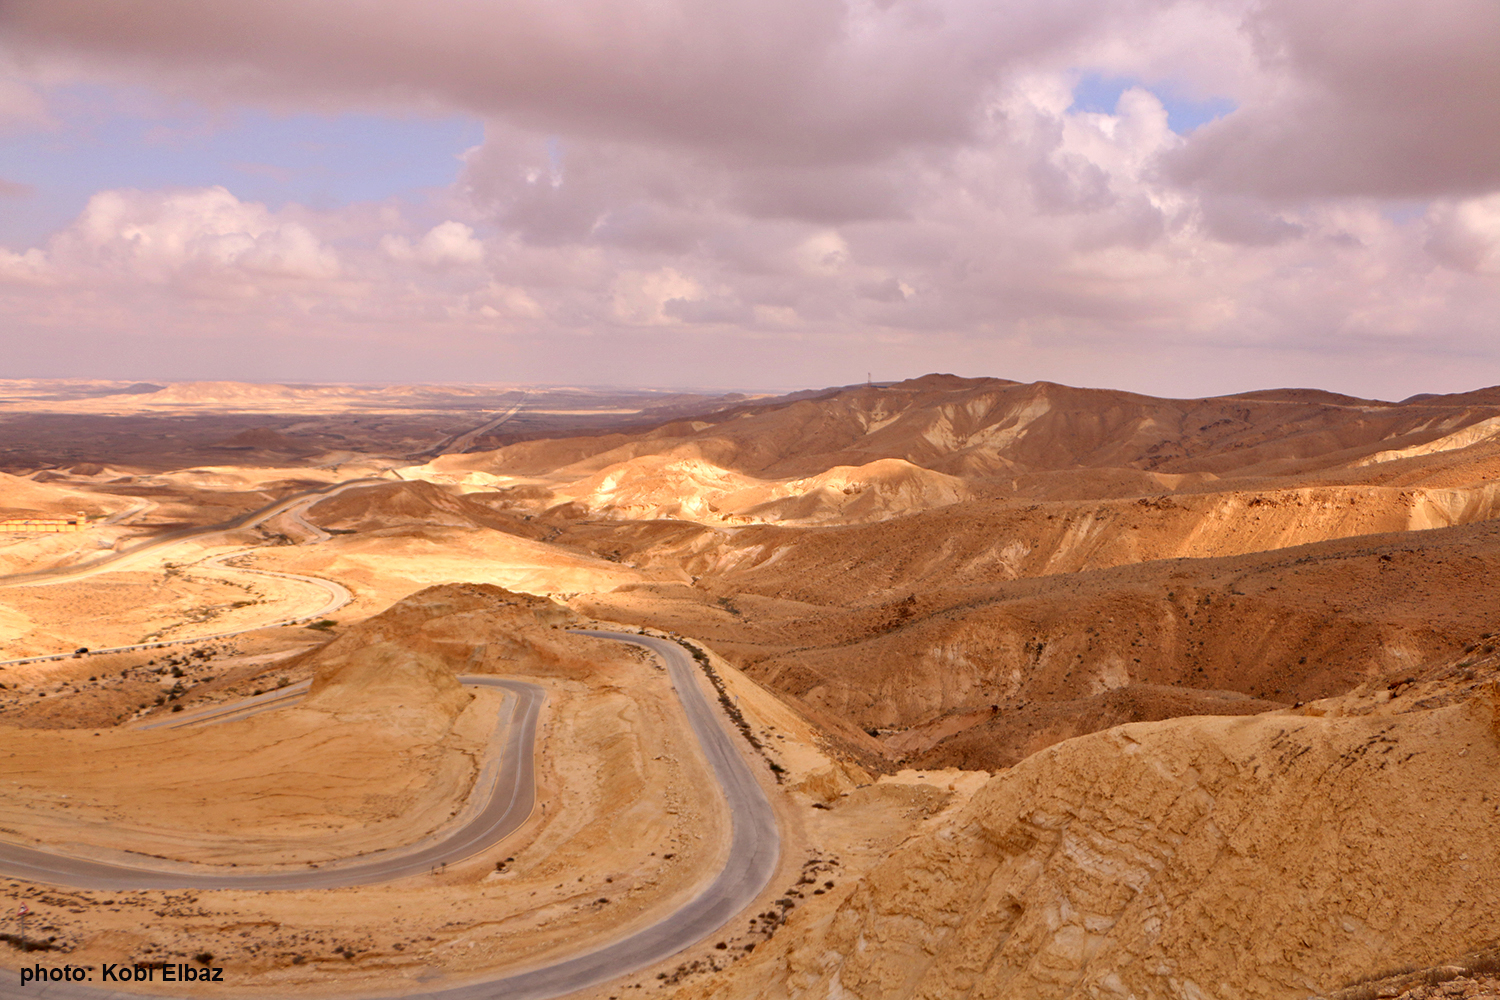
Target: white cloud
[1466,234]
[30,267]
[21,105]
[822,253]
[446,243]
[1377,103]
[497,301]
[205,238]
[641,297]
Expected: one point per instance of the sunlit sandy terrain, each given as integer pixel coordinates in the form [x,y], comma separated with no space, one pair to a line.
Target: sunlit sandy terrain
[1054,692]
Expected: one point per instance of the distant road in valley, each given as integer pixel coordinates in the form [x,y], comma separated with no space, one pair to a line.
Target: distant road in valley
[458,443]
[294,507]
[298,500]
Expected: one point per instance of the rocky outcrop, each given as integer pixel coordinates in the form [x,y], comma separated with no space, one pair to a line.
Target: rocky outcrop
[1275,856]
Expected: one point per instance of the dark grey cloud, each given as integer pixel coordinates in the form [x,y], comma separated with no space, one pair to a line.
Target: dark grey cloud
[1382,99]
[1247,221]
[776,81]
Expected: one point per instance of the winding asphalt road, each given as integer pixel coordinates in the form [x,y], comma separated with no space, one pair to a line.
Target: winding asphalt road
[506,784]
[753,853]
[275,698]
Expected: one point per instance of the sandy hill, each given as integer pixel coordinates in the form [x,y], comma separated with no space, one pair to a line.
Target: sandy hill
[474,628]
[20,497]
[375,757]
[1488,396]
[384,506]
[911,558]
[1312,396]
[387,683]
[218,393]
[973,616]
[987,541]
[871,453]
[1219,673]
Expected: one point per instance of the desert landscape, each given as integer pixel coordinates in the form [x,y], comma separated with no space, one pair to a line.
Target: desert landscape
[786,500]
[941,688]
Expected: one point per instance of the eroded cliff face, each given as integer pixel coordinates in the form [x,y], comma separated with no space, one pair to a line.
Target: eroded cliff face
[1272,856]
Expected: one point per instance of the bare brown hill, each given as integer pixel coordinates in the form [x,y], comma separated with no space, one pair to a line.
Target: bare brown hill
[266,440]
[381,752]
[1232,660]
[983,542]
[1282,626]
[990,741]
[993,428]
[682,486]
[865,550]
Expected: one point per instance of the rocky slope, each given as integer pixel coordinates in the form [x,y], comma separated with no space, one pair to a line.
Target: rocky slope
[1273,856]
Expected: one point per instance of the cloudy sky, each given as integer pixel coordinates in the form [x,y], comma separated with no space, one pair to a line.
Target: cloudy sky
[1171,197]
